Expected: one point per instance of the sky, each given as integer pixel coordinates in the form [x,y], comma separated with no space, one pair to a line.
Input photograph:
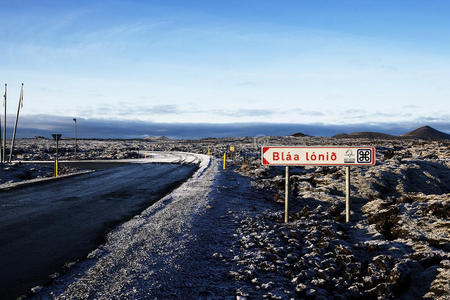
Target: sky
[336,63]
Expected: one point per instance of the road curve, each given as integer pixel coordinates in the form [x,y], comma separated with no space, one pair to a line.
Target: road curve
[44,226]
[150,157]
[135,250]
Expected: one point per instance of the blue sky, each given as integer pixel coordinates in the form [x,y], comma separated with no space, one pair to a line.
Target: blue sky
[308,62]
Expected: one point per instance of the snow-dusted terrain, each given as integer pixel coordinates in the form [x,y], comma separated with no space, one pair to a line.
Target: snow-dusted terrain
[16,174]
[141,255]
[221,234]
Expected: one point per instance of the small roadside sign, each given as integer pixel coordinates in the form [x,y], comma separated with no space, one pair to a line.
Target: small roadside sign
[317,156]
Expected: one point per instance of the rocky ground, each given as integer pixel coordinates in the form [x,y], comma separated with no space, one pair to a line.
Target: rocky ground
[396,245]
[17,172]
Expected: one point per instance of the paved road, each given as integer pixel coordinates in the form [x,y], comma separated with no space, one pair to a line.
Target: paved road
[45,226]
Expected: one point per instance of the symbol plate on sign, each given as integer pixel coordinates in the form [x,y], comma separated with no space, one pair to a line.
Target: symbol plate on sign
[364,156]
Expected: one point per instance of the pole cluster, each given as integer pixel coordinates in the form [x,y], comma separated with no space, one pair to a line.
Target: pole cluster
[3,136]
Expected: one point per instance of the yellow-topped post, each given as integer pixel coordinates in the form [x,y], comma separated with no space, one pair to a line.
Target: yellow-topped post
[224,161]
[56,137]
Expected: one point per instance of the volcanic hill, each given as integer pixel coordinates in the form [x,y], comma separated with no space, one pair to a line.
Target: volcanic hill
[427,133]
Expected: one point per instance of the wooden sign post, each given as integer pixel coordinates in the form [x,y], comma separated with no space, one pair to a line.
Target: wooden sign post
[347,194]
[286,195]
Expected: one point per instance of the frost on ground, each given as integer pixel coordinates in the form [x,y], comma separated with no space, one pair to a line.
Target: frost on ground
[18,172]
[177,248]
[221,235]
[397,245]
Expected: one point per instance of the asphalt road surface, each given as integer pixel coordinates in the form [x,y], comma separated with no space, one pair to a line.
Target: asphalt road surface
[43,227]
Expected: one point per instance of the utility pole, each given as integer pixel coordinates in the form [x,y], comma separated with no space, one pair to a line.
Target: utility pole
[75,135]
[4,127]
[15,125]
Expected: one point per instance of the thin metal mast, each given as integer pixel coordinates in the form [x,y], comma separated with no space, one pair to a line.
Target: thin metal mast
[1,140]
[15,125]
[4,127]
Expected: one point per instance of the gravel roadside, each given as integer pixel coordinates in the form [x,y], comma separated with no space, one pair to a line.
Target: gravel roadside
[181,247]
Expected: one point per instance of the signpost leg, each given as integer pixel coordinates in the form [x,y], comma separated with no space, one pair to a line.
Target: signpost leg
[286,196]
[347,194]
[75,135]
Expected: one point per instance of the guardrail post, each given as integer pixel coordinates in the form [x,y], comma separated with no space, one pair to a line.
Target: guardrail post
[56,137]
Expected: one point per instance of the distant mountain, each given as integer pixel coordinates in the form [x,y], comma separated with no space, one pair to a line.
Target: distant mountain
[365,134]
[149,137]
[299,134]
[427,133]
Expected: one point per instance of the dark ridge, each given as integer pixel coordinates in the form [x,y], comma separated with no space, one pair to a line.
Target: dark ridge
[299,134]
[365,134]
[427,133]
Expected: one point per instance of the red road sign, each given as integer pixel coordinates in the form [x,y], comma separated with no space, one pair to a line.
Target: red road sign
[317,156]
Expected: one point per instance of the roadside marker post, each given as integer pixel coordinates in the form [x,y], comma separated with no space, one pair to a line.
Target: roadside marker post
[224,160]
[318,156]
[209,151]
[56,137]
